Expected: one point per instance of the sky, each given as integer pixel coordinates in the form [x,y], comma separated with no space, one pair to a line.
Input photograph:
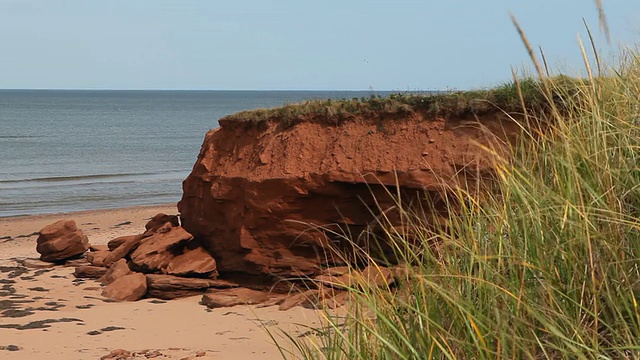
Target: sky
[294,44]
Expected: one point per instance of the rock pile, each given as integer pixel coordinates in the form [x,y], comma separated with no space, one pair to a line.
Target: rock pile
[166,262]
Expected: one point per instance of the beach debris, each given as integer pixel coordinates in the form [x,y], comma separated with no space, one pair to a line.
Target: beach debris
[130,287]
[10,347]
[123,223]
[61,240]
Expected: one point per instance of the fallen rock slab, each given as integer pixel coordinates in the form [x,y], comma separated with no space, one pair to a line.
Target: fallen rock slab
[116,271]
[125,244]
[155,252]
[97,258]
[193,262]
[89,271]
[169,287]
[130,287]
[232,297]
[60,241]
[36,264]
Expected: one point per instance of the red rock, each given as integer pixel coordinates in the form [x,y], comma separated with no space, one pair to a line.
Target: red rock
[76,262]
[232,297]
[99,248]
[160,219]
[377,276]
[342,281]
[116,271]
[258,188]
[88,271]
[310,299]
[118,354]
[156,252]
[60,241]
[170,287]
[370,276]
[130,287]
[126,244]
[96,258]
[336,271]
[192,262]
[36,264]
[337,301]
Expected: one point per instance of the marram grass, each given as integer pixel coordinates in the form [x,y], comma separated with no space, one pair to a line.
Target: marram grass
[546,266]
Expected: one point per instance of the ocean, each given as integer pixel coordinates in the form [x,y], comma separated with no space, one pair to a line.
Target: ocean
[68,150]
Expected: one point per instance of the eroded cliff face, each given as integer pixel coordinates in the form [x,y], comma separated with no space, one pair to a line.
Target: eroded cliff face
[259,191]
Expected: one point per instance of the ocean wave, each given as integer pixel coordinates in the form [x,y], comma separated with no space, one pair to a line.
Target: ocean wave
[55,179]
[20,136]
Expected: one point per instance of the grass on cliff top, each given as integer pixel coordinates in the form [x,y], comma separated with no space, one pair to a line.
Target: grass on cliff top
[508,98]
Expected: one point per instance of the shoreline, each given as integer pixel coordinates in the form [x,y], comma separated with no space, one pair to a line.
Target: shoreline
[88,211]
[99,225]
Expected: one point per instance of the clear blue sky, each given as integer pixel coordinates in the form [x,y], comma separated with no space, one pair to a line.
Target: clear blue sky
[290,44]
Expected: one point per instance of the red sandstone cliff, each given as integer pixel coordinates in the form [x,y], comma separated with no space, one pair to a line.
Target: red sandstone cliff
[258,188]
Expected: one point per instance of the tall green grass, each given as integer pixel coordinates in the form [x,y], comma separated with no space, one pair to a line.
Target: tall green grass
[544,266]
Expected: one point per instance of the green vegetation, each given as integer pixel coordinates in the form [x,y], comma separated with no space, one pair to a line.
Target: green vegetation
[545,267]
[460,103]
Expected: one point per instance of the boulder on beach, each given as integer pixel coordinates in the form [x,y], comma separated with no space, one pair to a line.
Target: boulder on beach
[60,241]
[130,287]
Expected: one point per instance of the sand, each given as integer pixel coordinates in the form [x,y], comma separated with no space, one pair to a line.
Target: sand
[48,314]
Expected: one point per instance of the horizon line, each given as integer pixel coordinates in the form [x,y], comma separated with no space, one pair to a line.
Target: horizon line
[111,89]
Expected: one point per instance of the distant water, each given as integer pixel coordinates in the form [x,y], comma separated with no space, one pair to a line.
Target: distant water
[64,151]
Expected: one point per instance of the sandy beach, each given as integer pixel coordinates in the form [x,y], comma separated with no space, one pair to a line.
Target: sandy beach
[46,313]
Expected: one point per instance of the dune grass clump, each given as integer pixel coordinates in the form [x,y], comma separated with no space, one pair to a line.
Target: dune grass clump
[545,266]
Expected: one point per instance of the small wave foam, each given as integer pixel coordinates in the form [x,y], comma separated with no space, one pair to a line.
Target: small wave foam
[20,136]
[92,177]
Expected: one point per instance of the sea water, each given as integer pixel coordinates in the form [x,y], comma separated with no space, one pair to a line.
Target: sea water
[63,151]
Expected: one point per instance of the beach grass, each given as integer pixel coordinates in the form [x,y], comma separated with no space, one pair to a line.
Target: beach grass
[546,265]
